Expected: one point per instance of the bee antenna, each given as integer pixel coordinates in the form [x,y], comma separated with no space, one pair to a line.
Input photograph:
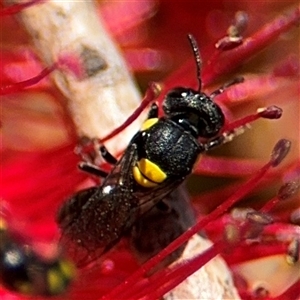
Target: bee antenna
[197,59]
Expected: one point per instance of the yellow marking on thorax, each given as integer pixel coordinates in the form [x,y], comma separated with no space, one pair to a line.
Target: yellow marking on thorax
[149,123]
[148,174]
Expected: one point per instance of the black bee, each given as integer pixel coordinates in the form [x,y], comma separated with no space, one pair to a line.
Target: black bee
[161,225]
[157,160]
[24,271]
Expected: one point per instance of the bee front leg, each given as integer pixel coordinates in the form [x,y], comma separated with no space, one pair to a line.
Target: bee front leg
[92,169]
[91,153]
[107,156]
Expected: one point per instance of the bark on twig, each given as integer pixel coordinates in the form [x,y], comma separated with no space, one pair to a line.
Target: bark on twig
[104,95]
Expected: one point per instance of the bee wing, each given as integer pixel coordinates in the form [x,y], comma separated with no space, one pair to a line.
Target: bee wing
[94,220]
[80,255]
[67,219]
[148,198]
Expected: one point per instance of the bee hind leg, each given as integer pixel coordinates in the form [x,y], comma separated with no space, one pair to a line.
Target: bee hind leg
[92,169]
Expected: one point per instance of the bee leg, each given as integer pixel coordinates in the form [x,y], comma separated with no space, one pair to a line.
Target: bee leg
[107,156]
[213,143]
[153,112]
[226,137]
[226,86]
[151,94]
[90,149]
[92,169]
[220,140]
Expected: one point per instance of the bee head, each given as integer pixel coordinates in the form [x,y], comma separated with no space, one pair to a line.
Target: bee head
[194,110]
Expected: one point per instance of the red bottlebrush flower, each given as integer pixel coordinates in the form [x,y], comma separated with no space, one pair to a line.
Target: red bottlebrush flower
[40,126]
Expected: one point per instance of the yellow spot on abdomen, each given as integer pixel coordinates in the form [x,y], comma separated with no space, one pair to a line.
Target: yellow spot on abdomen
[148,174]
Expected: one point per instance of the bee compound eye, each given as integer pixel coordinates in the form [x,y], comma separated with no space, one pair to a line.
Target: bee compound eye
[178,92]
[178,100]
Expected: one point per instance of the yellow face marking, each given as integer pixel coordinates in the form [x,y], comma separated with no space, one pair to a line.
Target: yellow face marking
[55,281]
[148,174]
[67,269]
[141,180]
[148,123]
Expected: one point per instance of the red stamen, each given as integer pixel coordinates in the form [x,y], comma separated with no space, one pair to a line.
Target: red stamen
[150,95]
[280,151]
[19,86]
[289,67]
[234,33]
[227,166]
[165,280]
[225,62]
[229,60]
[121,17]
[285,192]
[243,253]
[271,112]
[293,251]
[215,196]
[16,8]
[147,59]
[277,155]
